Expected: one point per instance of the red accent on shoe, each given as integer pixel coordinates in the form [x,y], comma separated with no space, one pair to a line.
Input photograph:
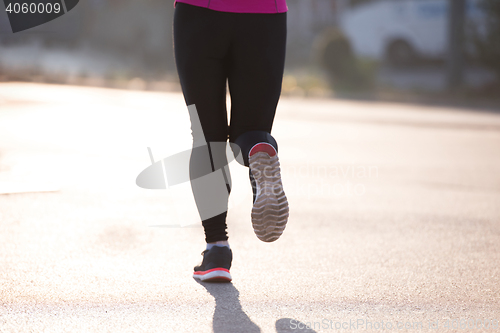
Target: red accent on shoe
[210,270]
[265,147]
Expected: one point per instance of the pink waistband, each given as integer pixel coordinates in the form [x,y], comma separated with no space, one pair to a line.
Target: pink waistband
[241,6]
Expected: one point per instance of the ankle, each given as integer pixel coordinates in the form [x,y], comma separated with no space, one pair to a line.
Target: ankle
[218,243]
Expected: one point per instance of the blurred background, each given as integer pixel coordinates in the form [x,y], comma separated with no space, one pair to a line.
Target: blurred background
[388,130]
[407,50]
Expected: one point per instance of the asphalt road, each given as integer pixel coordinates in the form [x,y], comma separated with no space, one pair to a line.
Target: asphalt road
[394,219]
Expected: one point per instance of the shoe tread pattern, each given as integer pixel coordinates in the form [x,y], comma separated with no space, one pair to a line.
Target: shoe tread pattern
[270,210]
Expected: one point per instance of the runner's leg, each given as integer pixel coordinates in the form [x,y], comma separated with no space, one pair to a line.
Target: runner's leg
[201,45]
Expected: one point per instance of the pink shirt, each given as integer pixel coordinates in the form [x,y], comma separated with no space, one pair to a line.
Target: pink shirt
[241,6]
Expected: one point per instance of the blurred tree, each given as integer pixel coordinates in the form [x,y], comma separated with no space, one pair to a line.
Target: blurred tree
[456,24]
[354,3]
[486,38]
[345,72]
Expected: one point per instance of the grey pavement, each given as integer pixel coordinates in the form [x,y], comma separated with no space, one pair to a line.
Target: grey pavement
[394,219]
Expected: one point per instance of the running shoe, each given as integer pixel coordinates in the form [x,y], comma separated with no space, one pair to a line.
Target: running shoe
[215,265]
[270,208]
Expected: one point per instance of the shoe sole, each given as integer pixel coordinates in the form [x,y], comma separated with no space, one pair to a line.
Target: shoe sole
[213,275]
[270,209]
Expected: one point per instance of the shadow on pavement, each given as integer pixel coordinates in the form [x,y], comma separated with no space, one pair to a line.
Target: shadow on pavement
[285,325]
[228,315]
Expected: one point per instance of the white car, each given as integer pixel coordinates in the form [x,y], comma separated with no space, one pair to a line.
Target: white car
[401,30]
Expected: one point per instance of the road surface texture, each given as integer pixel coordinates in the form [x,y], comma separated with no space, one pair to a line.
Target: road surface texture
[394,219]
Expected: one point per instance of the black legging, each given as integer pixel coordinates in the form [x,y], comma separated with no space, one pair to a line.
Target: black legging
[247,50]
